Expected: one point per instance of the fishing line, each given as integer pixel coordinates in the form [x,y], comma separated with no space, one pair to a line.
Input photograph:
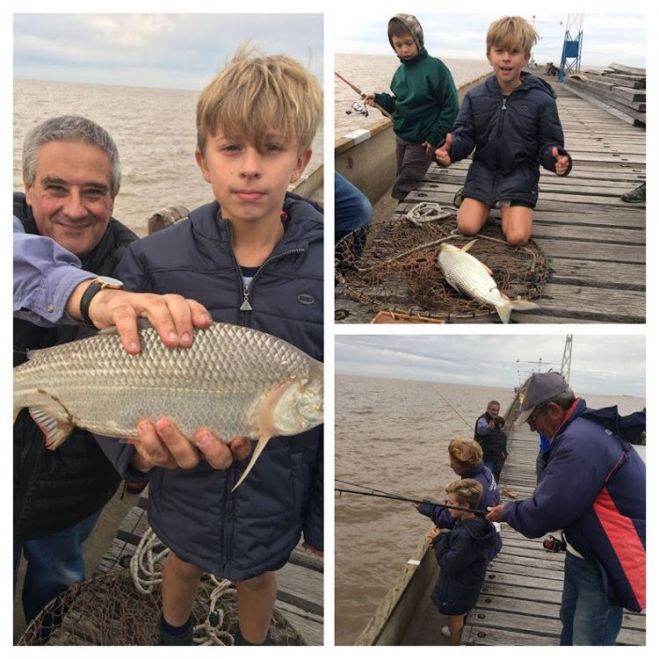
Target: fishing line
[469,425]
[397,497]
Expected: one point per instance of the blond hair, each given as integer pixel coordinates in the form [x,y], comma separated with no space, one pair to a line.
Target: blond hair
[511,33]
[466,451]
[256,95]
[467,491]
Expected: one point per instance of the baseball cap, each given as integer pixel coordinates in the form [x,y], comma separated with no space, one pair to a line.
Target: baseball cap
[538,389]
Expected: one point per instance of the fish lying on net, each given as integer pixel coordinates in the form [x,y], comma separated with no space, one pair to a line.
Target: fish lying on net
[235,380]
[472,278]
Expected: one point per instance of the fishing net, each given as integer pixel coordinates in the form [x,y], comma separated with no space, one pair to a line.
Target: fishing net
[392,266]
[123,608]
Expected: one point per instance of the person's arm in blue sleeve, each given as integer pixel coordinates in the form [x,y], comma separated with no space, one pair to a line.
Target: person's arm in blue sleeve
[570,484]
[482,427]
[438,514]
[463,132]
[45,276]
[313,523]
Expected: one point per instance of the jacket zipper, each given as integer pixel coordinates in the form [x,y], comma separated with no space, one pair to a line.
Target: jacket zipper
[247,288]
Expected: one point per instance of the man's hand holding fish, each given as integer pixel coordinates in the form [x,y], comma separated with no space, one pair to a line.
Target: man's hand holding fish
[163,445]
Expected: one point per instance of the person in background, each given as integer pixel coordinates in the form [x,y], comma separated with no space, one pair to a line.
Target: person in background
[352,215]
[592,487]
[424,103]
[462,552]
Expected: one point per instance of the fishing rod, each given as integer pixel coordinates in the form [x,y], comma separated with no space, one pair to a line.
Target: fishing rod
[441,395]
[362,94]
[397,497]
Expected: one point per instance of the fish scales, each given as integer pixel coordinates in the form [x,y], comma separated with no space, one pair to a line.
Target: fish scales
[219,382]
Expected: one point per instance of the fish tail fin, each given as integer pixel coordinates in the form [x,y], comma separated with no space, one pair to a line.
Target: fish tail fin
[504,310]
[255,455]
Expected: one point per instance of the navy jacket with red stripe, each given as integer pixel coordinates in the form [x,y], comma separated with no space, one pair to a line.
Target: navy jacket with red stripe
[593,487]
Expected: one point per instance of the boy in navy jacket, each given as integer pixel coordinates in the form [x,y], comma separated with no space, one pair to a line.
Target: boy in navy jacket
[463,554]
[512,122]
[253,257]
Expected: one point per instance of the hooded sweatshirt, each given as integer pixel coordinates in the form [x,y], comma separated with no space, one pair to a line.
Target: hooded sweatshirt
[463,555]
[424,103]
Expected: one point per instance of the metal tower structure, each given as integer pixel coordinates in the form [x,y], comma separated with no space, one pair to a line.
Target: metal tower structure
[566,362]
[571,56]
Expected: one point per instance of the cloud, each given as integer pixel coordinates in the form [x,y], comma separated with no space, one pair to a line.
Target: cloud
[602,364]
[154,50]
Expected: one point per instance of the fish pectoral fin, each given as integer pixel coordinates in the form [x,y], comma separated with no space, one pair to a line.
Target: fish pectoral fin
[489,272]
[255,455]
[55,431]
[469,245]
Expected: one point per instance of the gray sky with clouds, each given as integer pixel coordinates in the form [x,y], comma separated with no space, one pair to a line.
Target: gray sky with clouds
[600,364]
[607,38]
[177,51]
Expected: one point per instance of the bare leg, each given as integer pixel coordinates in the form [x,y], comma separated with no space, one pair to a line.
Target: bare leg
[180,581]
[516,222]
[472,215]
[256,601]
[456,625]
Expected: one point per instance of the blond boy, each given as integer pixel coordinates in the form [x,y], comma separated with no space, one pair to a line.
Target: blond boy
[253,257]
[511,124]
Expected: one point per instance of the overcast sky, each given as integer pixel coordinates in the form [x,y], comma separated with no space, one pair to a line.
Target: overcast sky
[607,38]
[600,364]
[174,51]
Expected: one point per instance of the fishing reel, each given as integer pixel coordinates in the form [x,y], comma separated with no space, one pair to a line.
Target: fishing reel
[359,108]
[554,544]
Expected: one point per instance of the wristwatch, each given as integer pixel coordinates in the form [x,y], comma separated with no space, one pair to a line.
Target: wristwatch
[97,285]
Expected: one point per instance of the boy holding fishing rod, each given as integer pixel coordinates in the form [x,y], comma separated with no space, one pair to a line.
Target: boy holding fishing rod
[424,103]
[512,125]
[253,257]
[462,553]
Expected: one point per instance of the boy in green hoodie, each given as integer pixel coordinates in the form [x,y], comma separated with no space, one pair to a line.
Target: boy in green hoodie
[424,103]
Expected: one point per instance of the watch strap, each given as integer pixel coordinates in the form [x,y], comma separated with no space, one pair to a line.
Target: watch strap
[87,297]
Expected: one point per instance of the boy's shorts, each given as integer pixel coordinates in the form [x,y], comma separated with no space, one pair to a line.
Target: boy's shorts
[519,188]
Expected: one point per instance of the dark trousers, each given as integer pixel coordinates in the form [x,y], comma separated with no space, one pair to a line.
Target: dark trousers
[412,165]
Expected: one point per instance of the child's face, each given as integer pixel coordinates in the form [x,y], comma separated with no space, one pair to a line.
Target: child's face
[507,64]
[405,47]
[250,184]
[453,501]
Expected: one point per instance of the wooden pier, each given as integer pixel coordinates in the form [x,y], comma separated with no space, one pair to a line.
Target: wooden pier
[300,581]
[520,600]
[594,241]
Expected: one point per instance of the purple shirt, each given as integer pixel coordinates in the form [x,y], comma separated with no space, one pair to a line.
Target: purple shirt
[45,275]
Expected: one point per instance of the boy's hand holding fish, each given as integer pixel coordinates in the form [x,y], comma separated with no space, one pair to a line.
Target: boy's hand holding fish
[163,445]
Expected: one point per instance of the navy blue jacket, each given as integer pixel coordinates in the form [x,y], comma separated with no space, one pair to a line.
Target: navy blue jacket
[593,487]
[463,554]
[512,135]
[193,512]
[442,518]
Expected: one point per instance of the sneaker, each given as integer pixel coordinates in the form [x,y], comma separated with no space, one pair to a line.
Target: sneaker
[446,632]
[637,195]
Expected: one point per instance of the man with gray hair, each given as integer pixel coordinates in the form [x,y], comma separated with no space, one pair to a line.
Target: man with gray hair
[592,487]
[71,175]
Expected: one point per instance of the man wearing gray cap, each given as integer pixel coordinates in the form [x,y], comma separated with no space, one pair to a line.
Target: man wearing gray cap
[592,487]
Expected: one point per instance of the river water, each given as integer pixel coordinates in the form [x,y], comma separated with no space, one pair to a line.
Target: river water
[154,130]
[393,435]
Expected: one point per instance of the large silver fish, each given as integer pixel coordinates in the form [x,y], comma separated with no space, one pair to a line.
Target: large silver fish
[235,380]
[467,275]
